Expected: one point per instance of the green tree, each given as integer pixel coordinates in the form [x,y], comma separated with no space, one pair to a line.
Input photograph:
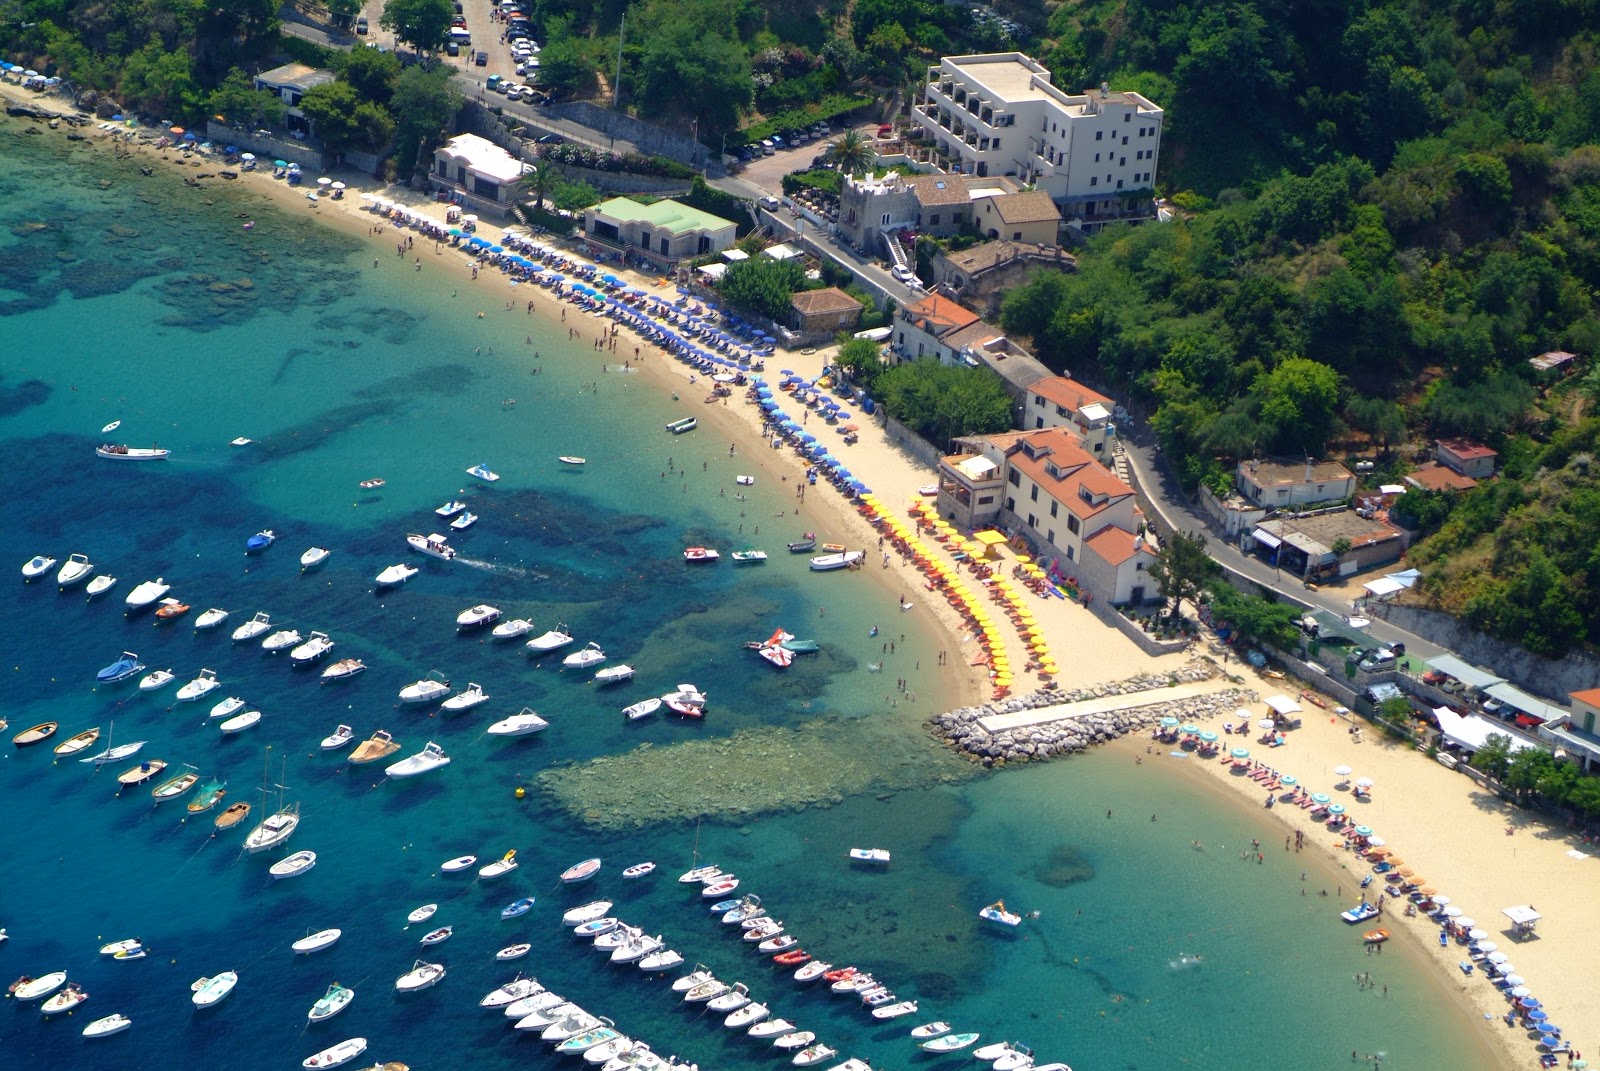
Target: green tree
[422,23]
[942,401]
[1478,410]
[688,62]
[1494,757]
[161,82]
[241,104]
[538,182]
[424,106]
[564,65]
[1029,309]
[1181,570]
[862,358]
[342,121]
[371,73]
[1299,403]
[1380,418]
[763,285]
[1256,619]
[851,152]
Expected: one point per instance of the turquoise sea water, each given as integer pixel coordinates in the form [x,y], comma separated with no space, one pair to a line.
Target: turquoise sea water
[136,300]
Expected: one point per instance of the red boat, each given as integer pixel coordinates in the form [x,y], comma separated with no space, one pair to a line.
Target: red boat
[840,975]
[792,958]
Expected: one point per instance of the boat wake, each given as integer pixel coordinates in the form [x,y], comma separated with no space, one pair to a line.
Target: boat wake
[1185,962]
[518,571]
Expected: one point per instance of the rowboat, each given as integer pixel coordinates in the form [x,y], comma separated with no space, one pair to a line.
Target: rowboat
[138,775]
[208,798]
[174,787]
[423,913]
[336,1055]
[511,952]
[235,813]
[81,742]
[929,1031]
[949,1042]
[119,452]
[316,942]
[293,866]
[824,563]
[438,936]
[517,907]
[580,872]
[638,870]
[569,459]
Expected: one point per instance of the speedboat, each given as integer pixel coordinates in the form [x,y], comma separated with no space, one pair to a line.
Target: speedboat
[292,866]
[517,989]
[114,1023]
[463,522]
[504,865]
[458,864]
[252,628]
[210,991]
[450,509]
[344,669]
[314,648]
[438,936]
[574,1025]
[80,742]
[590,655]
[210,619]
[1016,1060]
[879,856]
[482,472]
[572,459]
[147,594]
[171,610]
[426,690]
[395,575]
[810,972]
[997,913]
[522,723]
[700,554]
[636,948]
[662,960]
[316,942]
[260,541]
[434,546]
[64,1001]
[747,1016]
[638,870]
[991,1053]
[894,1011]
[642,709]
[699,976]
[781,943]
[204,683]
[26,988]
[155,679]
[276,829]
[377,746]
[594,909]
[339,738]
[240,440]
[580,871]
[813,1054]
[638,1057]
[583,1042]
[283,638]
[119,452]
[614,674]
[744,912]
[537,1011]
[795,1041]
[946,1042]
[688,701]
[421,975]
[336,1055]
[549,641]
[510,630]
[37,566]
[824,563]
[428,759]
[758,930]
[511,952]
[227,708]
[771,1028]
[100,585]
[130,944]
[75,571]
[749,555]
[120,670]
[929,1031]
[208,797]
[606,1051]
[471,696]
[138,775]
[35,734]
[313,557]
[173,787]
[517,907]
[477,616]
[240,722]
[596,928]
[706,991]
[334,1001]
[423,913]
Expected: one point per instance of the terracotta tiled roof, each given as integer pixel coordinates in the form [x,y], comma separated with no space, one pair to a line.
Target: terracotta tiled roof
[935,190]
[1466,451]
[1075,471]
[939,314]
[1588,695]
[1034,206]
[1069,393]
[1432,476]
[1114,544]
[819,302]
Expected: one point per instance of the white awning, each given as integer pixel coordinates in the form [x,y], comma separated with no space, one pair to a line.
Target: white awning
[735,254]
[1513,696]
[1383,587]
[1472,732]
[1522,914]
[1467,674]
[1283,705]
[1266,539]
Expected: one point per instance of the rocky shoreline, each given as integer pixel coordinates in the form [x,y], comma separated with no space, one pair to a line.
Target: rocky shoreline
[961,731]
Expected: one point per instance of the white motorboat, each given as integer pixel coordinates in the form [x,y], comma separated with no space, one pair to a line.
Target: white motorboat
[590,655]
[582,1042]
[75,571]
[434,545]
[100,585]
[483,472]
[396,575]
[260,541]
[639,870]
[720,888]
[210,991]
[283,638]
[929,1031]
[570,1026]
[504,865]
[422,914]
[813,1054]
[579,872]
[771,1028]
[546,1014]
[1019,1058]
[510,630]
[750,556]
[240,441]
[688,701]
[642,709]
[780,943]
[204,683]
[523,723]
[824,563]
[427,690]
[572,459]
[343,669]
[119,452]
[606,1051]
[458,864]
[700,554]
[313,557]
[876,856]
[463,522]
[894,1011]
[745,912]
[511,952]
[227,708]
[469,697]
[316,942]
[594,909]
[256,626]
[760,930]
[336,1055]
[314,648]
[636,948]
[948,1042]
[147,594]
[115,754]
[240,722]
[274,830]
[37,566]
[747,1016]
[550,641]
[210,619]
[155,679]
[638,1057]
[511,992]
[598,928]
[40,987]
[534,1004]
[699,874]
[129,944]
[614,674]
[292,866]
[810,972]
[991,1053]
[421,976]
[798,1040]
[697,977]
[331,1003]
[115,1023]
[477,616]
[450,509]
[64,1001]
[706,991]
[430,758]
[437,936]
[661,960]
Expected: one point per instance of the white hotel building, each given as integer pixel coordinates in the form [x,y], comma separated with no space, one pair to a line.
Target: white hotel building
[998,114]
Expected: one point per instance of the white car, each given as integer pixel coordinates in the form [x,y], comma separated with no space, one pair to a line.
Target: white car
[513,91]
[905,275]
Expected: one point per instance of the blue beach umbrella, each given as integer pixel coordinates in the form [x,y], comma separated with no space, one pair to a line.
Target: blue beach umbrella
[497,249]
[1320,797]
[1189,727]
[1169,722]
[1538,1015]
[1208,736]
[1363,831]
[1290,779]
[1240,753]
[1337,808]
[1531,1002]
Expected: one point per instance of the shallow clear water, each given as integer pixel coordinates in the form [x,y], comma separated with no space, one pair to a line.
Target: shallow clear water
[140,302]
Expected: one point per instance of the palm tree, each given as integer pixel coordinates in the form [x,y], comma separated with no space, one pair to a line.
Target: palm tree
[851,152]
[538,181]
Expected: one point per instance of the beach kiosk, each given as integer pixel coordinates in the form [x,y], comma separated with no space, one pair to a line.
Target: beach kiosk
[1523,917]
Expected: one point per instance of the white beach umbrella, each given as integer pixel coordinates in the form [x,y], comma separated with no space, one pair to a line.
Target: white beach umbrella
[1486,946]
[1497,958]
[1341,771]
[1266,723]
[1375,841]
[368,195]
[1467,924]
[1363,782]
[1452,912]
[338,185]
[1475,934]
[1518,982]
[247,156]
[1441,900]
[324,181]
[1504,969]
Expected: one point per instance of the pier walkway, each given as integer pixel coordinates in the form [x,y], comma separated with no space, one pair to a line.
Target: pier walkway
[1110,704]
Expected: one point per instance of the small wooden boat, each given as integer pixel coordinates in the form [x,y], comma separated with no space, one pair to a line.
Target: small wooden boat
[511,952]
[173,787]
[568,459]
[458,864]
[138,775]
[236,813]
[379,745]
[118,452]
[373,484]
[316,942]
[423,913]
[209,797]
[1375,937]
[580,871]
[439,936]
[638,870]
[81,742]
[171,610]
[804,545]
[35,735]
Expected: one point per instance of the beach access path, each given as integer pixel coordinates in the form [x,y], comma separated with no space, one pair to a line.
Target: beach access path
[1106,704]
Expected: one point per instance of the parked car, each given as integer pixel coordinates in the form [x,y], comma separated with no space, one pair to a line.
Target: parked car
[549,139]
[361,25]
[1382,658]
[481,58]
[1491,705]
[768,146]
[451,48]
[493,84]
[904,274]
[770,203]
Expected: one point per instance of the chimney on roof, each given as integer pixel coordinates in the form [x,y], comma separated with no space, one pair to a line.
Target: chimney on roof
[1105,90]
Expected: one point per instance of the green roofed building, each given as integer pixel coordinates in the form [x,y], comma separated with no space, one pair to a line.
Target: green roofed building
[662,233]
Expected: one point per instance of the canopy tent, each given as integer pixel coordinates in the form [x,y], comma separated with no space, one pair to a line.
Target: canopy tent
[1512,696]
[1522,916]
[1467,674]
[1471,732]
[1383,587]
[1282,705]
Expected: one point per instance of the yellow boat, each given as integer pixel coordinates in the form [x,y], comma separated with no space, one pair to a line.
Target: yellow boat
[38,733]
[231,817]
[377,746]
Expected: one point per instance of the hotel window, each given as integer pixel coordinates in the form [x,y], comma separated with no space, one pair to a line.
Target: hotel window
[1033,495]
[1038,400]
[933,220]
[1033,522]
[1050,536]
[1097,158]
[985,500]
[1072,525]
[1014,478]
[1094,182]
[1098,134]
[1053,507]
